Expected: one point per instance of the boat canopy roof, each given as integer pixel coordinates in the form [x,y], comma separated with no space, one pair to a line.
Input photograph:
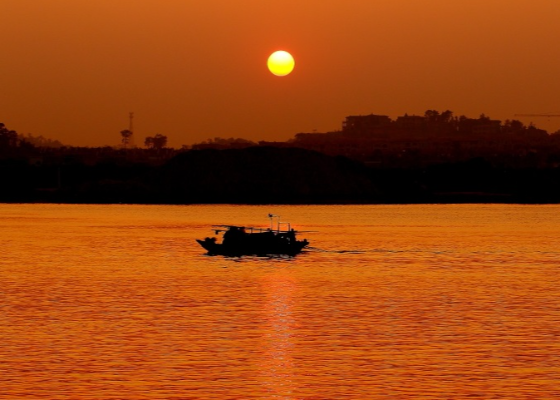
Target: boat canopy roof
[255,228]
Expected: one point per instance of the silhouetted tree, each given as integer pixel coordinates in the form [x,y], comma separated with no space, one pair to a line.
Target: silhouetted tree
[149,142]
[517,125]
[40,141]
[8,138]
[431,115]
[446,116]
[484,118]
[157,142]
[513,126]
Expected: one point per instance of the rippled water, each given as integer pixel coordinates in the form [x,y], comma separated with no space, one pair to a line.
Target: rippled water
[391,302]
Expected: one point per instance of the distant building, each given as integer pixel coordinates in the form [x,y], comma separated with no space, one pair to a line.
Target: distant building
[486,128]
[411,123]
[365,124]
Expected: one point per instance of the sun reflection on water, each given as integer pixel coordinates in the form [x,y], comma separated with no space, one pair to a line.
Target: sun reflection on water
[277,365]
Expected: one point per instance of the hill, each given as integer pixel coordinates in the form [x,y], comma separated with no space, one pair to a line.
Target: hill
[262,175]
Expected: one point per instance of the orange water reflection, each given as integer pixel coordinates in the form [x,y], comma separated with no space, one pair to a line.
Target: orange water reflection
[395,302]
[279,327]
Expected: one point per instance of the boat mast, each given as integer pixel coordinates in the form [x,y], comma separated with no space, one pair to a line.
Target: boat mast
[278,223]
[272,216]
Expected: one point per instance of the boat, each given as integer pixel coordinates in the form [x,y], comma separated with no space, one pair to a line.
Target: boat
[239,241]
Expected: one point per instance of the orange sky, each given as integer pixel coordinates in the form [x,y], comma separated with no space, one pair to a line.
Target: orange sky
[196,69]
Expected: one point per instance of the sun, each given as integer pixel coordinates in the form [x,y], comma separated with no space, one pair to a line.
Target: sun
[281,63]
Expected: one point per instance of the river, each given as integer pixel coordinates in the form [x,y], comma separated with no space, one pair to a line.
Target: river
[390,302]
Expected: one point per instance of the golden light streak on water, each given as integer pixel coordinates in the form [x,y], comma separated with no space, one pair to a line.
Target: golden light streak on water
[277,367]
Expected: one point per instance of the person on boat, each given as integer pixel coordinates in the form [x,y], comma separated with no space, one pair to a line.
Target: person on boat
[233,236]
[292,235]
[229,235]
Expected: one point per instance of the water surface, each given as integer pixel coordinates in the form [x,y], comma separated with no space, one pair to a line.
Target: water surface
[391,302]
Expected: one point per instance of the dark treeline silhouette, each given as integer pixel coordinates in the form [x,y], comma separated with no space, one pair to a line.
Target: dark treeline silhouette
[262,175]
[158,141]
[435,158]
[221,143]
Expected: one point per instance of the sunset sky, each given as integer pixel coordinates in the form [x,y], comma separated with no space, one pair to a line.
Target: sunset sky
[196,69]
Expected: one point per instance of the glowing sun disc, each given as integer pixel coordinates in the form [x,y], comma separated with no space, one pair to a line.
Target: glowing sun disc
[281,63]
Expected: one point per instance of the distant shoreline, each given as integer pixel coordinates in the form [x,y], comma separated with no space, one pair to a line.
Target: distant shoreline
[270,175]
[451,198]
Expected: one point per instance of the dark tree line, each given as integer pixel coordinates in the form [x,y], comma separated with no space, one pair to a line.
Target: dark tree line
[11,143]
[254,173]
[8,138]
[158,141]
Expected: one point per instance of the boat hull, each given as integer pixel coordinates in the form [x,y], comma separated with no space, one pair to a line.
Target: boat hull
[249,248]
